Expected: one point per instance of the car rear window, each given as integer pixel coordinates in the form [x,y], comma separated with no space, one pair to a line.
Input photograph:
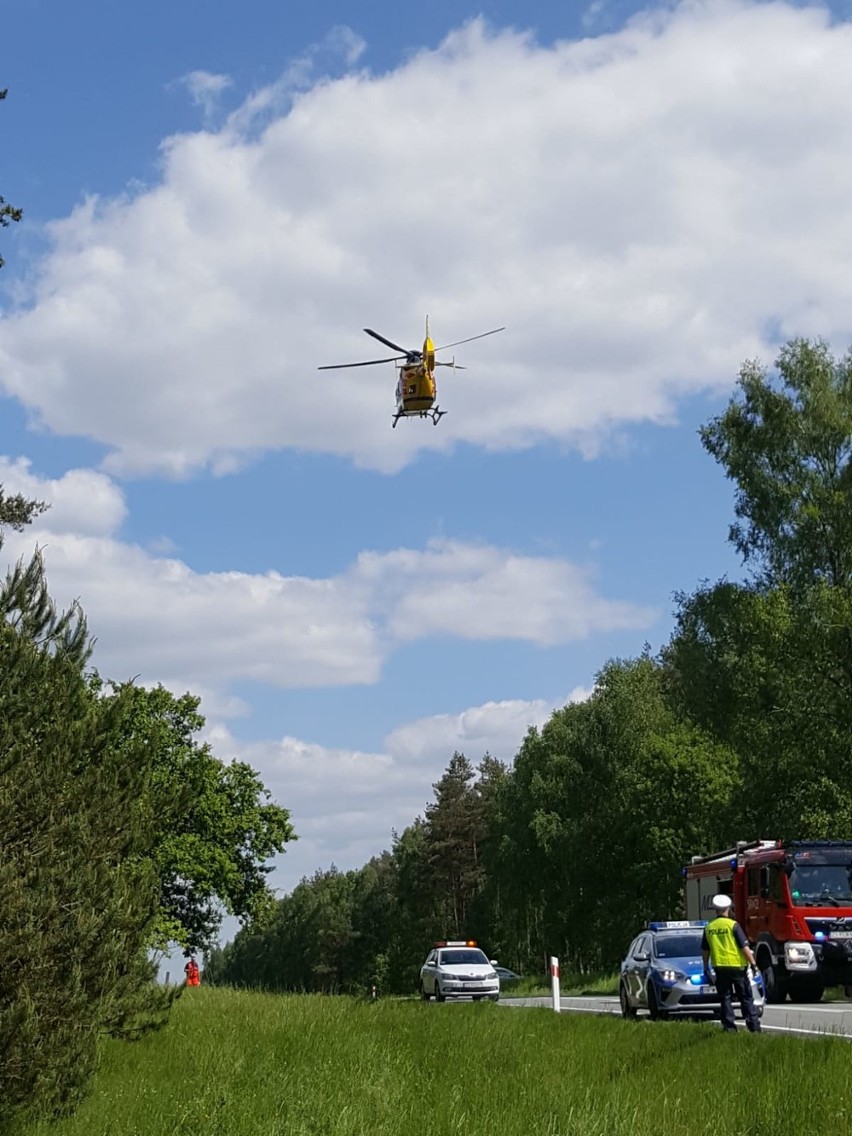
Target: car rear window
[677,946]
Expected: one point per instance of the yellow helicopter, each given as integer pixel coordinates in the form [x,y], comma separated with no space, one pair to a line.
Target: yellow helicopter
[416,389]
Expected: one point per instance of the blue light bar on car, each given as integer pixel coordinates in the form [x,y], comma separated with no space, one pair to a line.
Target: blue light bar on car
[673,924]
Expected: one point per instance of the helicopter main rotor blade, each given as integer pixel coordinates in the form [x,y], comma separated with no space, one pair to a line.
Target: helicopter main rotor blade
[366,363]
[455,366]
[387,342]
[458,341]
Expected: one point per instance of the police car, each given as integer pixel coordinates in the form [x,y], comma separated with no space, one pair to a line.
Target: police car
[458,970]
[663,973]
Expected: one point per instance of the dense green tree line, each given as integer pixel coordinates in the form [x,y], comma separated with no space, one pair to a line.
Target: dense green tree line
[350,930]
[118,832]
[741,726]
[218,827]
[77,898]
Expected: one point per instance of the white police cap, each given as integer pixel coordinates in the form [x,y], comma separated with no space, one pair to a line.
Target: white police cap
[721,902]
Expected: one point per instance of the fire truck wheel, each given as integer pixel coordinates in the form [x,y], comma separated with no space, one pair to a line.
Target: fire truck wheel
[775,984]
[654,1009]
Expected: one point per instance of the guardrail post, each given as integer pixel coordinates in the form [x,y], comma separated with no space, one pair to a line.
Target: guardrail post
[554,983]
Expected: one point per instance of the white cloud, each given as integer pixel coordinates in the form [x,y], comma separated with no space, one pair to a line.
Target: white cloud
[156,617]
[204,89]
[482,592]
[346,804]
[495,727]
[341,45]
[638,208]
[592,14]
[82,501]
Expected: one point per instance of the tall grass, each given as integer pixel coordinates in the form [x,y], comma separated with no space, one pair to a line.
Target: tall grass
[248,1064]
[570,985]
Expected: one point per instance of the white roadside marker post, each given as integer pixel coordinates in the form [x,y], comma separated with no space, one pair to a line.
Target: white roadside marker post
[554,982]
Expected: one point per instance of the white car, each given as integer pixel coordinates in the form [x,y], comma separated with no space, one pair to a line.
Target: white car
[458,970]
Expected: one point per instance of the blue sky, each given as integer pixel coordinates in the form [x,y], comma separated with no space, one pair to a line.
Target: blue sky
[217,203]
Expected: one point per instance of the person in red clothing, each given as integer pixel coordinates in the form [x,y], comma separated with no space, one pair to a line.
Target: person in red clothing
[193,974]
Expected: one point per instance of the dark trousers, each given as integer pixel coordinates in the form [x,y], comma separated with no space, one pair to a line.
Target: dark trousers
[730,982]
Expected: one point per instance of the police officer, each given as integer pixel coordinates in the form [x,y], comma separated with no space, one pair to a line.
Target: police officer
[724,942]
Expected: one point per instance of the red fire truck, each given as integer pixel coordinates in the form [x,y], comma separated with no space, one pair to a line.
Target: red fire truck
[793,899]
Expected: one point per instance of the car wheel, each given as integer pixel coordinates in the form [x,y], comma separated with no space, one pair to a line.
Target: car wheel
[494,997]
[627,1011]
[423,993]
[658,1014]
[439,997]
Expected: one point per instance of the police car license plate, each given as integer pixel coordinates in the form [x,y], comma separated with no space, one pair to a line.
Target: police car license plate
[706,989]
[841,934]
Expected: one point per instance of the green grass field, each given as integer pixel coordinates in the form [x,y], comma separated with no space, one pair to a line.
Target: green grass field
[247,1064]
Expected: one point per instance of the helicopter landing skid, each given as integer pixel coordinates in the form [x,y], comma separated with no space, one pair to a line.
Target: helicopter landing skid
[436,414]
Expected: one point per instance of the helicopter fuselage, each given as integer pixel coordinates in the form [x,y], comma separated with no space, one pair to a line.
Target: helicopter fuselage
[415,394]
[415,389]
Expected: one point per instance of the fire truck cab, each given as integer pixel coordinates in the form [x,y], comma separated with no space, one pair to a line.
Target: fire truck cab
[793,900]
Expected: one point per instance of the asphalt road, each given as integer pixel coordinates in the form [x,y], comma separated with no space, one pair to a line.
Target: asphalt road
[830,1018]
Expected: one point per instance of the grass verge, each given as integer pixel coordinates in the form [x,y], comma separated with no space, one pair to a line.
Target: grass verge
[236,1063]
[570,986]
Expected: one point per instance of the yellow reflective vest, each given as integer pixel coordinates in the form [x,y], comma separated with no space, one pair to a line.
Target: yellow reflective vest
[724,951]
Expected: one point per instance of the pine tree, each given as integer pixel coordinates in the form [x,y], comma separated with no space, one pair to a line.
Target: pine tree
[17,511]
[454,835]
[77,896]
